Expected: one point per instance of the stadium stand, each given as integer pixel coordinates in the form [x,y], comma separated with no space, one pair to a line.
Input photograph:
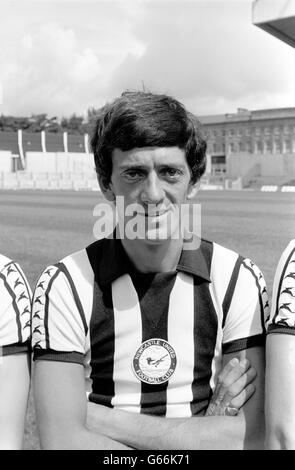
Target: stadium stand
[8,141]
[31,142]
[76,143]
[54,142]
[44,160]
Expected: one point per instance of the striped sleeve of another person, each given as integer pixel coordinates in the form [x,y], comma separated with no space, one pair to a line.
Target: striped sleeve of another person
[61,305]
[15,308]
[282,317]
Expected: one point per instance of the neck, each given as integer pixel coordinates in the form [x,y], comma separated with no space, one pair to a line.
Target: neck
[153,258]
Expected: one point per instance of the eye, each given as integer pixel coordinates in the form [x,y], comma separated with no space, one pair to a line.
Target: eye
[133,175]
[171,173]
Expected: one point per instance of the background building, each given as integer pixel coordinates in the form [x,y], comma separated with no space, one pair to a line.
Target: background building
[246,148]
[254,145]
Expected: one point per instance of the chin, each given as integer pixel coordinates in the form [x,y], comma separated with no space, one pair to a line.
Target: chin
[157,236]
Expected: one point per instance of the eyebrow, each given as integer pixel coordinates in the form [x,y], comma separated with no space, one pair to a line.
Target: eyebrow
[132,167]
[135,166]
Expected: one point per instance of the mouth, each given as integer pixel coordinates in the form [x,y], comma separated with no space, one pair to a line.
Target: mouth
[153,215]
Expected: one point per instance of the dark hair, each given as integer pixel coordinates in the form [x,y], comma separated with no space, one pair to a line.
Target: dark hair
[141,119]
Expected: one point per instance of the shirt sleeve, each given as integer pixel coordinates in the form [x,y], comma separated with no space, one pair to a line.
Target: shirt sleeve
[59,330]
[15,310]
[247,310]
[282,317]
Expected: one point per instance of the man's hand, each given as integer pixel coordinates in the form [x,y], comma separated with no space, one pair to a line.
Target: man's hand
[234,388]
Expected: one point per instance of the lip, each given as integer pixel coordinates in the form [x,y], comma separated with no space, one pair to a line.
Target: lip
[157,214]
[153,215]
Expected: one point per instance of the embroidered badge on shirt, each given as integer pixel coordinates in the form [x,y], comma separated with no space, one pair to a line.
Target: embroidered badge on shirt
[154,362]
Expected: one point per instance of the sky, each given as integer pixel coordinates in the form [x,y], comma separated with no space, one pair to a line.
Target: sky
[61,57]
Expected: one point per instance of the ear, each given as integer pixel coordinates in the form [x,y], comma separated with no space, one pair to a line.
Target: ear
[106,189]
[193,189]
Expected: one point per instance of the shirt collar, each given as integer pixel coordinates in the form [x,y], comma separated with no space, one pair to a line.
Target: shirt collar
[114,262]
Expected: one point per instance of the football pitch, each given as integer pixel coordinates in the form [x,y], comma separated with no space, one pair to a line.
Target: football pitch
[39,228]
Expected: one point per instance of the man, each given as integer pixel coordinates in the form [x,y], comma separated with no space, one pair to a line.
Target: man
[15,332]
[148,314]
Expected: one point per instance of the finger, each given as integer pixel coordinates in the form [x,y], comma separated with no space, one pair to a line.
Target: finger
[243,397]
[228,368]
[235,372]
[232,372]
[222,381]
[236,388]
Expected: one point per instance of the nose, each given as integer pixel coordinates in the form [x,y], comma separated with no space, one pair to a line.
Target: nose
[152,192]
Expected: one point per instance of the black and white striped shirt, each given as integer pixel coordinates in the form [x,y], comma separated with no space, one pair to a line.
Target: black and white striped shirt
[92,308]
[282,317]
[15,308]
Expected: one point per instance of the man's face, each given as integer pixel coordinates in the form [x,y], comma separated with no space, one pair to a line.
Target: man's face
[158,180]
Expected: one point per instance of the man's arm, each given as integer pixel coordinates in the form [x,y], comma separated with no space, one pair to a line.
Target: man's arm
[280,391]
[60,398]
[243,431]
[14,389]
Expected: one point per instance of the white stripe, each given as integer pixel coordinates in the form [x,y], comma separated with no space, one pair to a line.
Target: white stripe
[181,338]
[86,148]
[82,275]
[217,357]
[128,338]
[222,265]
[3,261]
[87,362]
[20,146]
[243,317]
[65,142]
[43,141]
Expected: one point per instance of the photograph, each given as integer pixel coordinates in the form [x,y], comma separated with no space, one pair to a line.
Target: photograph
[147,228]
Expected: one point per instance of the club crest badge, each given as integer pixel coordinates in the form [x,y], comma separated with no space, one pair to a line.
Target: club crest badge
[154,362]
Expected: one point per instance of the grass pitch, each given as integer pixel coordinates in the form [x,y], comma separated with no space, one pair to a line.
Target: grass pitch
[39,228]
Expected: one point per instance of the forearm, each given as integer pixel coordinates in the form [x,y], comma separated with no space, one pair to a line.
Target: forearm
[280,390]
[280,438]
[78,438]
[193,433]
[148,432]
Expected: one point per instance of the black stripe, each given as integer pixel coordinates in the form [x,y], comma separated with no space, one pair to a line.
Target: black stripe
[277,328]
[25,281]
[280,283]
[29,295]
[154,315]
[262,320]
[64,269]
[205,336]
[207,252]
[15,348]
[33,301]
[231,289]
[60,356]
[102,343]
[243,343]
[15,307]
[46,308]
[102,336]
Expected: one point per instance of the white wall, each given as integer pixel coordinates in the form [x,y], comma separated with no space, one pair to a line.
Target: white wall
[5,161]
[39,162]
[241,164]
[272,165]
[60,162]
